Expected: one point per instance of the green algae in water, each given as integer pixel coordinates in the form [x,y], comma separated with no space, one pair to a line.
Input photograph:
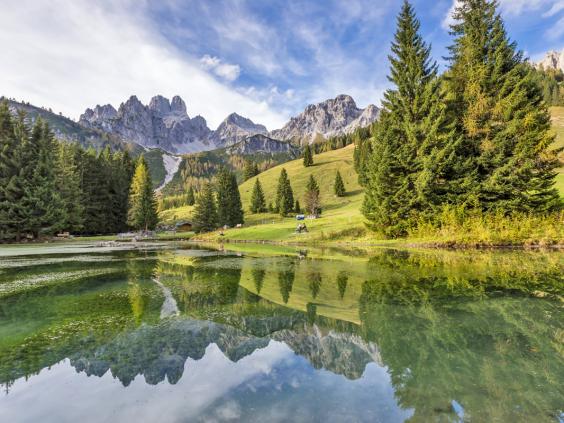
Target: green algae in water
[379,336]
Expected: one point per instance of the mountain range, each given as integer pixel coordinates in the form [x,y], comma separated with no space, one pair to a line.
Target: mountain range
[166,124]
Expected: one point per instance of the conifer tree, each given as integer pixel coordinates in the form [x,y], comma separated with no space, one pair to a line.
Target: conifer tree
[205,210]
[93,188]
[312,200]
[339,186]
[68,187]
[250,169]
[297,207]
[190,200]
[401,181]
[142,202]
[308,156]
[258,203]
[13,140]
[504,161]
[284,194]
[229,208]
[43,200]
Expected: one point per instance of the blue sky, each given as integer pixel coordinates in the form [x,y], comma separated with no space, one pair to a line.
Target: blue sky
[264,59]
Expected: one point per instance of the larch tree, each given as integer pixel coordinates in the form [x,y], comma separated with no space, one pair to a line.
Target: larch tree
[504,162]
[142,202]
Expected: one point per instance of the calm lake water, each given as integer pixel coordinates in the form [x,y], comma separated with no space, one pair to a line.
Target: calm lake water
[264,334]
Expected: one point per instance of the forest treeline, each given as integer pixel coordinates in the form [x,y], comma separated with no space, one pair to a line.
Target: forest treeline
[47,186]
[478,137]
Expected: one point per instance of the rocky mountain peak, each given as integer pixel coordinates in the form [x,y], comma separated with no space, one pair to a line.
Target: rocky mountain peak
[160,105]
[553,60]
[160,124]
[234,129]
[178,105]
[333,117]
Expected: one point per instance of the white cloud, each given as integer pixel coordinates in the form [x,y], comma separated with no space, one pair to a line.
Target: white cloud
[557,31]
[514,8]
[556,8]
[73,54]
[221,69]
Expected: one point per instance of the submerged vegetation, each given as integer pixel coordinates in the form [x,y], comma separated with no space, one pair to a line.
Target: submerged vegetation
[484,325]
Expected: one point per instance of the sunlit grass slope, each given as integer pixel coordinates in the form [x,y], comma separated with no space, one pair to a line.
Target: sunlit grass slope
[558,125]
[341,216]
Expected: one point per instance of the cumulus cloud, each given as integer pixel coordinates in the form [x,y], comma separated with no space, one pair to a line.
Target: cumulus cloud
[73,54]
[223,70]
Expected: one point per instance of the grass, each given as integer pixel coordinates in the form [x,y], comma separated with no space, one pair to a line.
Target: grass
[342,220]
[341,216]
[178,214]
[558,125]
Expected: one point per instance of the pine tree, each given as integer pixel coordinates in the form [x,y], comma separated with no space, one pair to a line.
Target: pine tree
[258,203]
[312,200]
[93,188]
[205,210]
[297,207]
[401,181]
[68,187]
[190,200]
[308,156]
[507,163]
[229,208]
[142,202]
[45,207]
[13,185]
[250,170]
[339,186]
[284,194]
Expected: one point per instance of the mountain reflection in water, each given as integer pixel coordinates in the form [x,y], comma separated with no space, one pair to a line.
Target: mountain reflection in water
[389,335]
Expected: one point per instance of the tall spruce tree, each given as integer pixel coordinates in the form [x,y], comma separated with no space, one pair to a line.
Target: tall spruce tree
[142,202]
[14,138]
[284,194]
[45,207]
[229,208]
[68,187]
[308,156]
[258,203]
[312,199]
[400,178]
[339,185]
[190,199]
[250,169]
[504,161]
[205,210]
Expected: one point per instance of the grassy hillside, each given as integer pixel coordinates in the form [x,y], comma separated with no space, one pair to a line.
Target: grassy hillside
[341,216]
[558,124]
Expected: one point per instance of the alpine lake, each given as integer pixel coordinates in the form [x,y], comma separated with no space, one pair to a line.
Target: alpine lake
[178,332]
